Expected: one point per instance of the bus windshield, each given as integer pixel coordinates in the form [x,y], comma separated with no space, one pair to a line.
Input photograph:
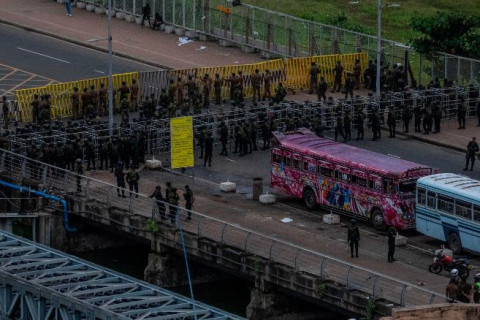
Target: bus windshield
[407,186]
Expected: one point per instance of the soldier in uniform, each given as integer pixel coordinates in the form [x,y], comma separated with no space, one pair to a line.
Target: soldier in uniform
[75,98]
[208,150]
[93,99]
[132,178]
[349,85]
[314,71]
[134,95]
[357,71]
[191,88]
[36,108]
[159,199]
[417,112]
[267,82]
[224,138]
[180,87]
[391,122]
[406,116]
[281,93]
[256,83]
[375,125]
[120,175]
[338,70]
[207,88]
[218,89]
[124,91]
[103,99]
[103,155]
[189,200]
[347,124]
[85,98]
[322,89]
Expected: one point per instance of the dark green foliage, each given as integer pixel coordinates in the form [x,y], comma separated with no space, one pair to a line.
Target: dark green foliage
[450,32]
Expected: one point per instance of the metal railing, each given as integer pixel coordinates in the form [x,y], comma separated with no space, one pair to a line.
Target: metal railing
[301,259]
[285,35]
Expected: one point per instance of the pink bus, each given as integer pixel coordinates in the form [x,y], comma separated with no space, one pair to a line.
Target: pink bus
[363,184]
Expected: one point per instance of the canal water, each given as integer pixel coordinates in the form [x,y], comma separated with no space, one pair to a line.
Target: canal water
[231,295]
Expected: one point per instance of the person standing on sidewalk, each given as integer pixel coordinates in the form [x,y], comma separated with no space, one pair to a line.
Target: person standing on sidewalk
[146,15]
[392,234]
[353,237]
[472,148]
[461,113]
[68,6]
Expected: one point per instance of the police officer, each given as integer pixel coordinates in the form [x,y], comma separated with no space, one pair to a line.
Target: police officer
[406,116]
[207,88]
[353,237]
[189,199]
[347,125]
[339,127]
[461,113]
[375,125]
[132,178]
[392,234]
[349,85]
[472,148]
[85,98]
[417,112]
[254,134]
[103,155]
[437,117]
[391,122]
[267,82]
[359,120]
[266,133]
[201,141]
[75,98]
[134,95]
[160,201]
[120,175]
[102,99]
[357,71]
[314,71]
[79,173]
[208,150]
[90,154]
[223,138]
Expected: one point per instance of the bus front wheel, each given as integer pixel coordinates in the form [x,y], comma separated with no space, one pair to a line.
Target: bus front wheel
[454,243]
[378,221]
[309,199]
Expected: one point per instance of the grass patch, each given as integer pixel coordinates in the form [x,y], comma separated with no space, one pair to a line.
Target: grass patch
[395,21]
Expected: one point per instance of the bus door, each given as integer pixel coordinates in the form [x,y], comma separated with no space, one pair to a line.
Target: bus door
[325,180]
[342,192]
[277,172]
[359,187]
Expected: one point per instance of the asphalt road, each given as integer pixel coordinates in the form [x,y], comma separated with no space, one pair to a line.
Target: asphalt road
[56,59]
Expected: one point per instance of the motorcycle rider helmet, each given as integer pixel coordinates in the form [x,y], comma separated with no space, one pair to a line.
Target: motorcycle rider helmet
[454,273]
[476,277]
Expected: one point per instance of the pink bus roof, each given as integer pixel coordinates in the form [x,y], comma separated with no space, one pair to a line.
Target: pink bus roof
[309,144]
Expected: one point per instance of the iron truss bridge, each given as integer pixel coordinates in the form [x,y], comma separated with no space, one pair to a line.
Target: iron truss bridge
[39,283]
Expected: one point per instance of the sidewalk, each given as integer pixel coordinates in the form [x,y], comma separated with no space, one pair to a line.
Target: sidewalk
[162,50]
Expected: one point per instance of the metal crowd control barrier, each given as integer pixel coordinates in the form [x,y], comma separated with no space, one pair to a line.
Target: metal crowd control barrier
[302,259]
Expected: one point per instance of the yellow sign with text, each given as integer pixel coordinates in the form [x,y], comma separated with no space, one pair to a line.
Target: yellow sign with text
[181,141]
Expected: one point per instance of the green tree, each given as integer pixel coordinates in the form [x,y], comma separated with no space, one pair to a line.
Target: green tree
[450,32]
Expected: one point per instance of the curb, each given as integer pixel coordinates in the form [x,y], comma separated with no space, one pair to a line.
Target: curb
[86,45]
[436,143]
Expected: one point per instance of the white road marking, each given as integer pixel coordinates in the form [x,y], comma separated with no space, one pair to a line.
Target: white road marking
[43,55]
[230,160]
[99,71]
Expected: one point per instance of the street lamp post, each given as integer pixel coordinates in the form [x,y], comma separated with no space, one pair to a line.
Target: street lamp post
[110,77]
[379,48]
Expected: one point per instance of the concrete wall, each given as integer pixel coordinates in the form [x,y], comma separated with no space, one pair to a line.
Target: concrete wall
[444,311]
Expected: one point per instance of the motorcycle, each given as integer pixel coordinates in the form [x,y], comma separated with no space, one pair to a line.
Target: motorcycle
[441,261]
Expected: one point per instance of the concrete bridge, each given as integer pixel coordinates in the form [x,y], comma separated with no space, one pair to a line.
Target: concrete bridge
[272,264]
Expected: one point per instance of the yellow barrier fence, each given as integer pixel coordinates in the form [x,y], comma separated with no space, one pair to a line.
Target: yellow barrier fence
[60,93]
[298,69]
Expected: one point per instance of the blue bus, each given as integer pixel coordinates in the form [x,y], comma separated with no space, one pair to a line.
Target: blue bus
[448,209]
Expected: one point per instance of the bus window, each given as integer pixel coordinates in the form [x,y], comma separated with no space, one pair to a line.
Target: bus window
[431,199]
[342,176]
[421,197]
[387,185]
[371,184]
[463,209]
[360,181]
[309,167]
[296,164]
[277,158]
[476,213]
[287,161]
[445,204]
[326,172]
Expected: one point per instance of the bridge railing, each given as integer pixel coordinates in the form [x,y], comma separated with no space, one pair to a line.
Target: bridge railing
[266,248]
